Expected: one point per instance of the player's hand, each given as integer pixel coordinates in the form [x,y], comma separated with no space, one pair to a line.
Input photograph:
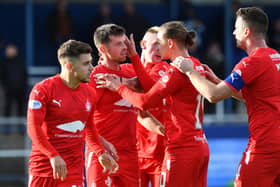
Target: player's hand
[110,148]
[184,65]
[59,167]
[130,44]
[110,81]
[210,75]
[108,163]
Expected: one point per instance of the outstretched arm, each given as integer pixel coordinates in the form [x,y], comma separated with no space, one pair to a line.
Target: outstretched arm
[212,92]
[151,123]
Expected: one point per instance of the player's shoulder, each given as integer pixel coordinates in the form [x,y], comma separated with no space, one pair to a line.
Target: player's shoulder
[98,69]
[48,82]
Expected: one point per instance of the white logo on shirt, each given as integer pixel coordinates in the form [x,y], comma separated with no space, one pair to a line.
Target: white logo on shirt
[165,79]
[73,126]
[109,181]
[34,104]
[57,102]
[88,106]
[161,73]
[244,63]
[123,102]
[36,92]
[275,56]
[278,67]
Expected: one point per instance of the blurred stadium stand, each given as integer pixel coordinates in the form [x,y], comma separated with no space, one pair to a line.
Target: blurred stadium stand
[227,132]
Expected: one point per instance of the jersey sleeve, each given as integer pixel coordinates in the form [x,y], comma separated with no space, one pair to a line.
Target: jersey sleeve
[243,73]
[165,86]
[145,80]
[37,106]
[92,136]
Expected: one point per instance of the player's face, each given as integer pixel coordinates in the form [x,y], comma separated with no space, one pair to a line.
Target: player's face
[83,68]
[239,32]
[116,49]
[163,45]
[151,48]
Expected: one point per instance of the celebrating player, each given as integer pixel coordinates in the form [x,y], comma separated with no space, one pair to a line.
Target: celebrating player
[187,153]
[255,78]
[114,117]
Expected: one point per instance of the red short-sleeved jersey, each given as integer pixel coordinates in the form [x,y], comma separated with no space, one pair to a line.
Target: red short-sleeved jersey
[258,76]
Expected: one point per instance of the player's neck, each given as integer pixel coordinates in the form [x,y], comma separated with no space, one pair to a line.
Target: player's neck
[69,81]
[254,44]
[113,65]
[177,53]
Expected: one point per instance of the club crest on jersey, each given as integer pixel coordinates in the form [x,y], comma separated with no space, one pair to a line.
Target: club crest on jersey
[34,104]
[88,106]
[73,126]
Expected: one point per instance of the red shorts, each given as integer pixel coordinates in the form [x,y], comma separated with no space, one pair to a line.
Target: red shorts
[187,169]
[257,170]
[150,170]
[126,176]
[69,181]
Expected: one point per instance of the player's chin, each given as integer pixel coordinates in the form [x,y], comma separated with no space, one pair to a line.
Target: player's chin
[85,80]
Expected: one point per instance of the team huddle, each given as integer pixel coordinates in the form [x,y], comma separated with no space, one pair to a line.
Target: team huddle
[141,122]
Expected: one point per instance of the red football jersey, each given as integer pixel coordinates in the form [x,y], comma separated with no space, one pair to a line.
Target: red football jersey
[149,144]
[114,117]
[63,115]
[258,76]
[186,109]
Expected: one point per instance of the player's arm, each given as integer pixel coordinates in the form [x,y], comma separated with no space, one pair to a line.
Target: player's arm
[210,75]
[143,101]
[212,92]
[145,80]
[132,83]
[151,123]
[94,142]
[35,116]
[110,148]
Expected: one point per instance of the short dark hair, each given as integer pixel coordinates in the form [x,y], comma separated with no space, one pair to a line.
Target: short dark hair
[73,49]
[176,30]
[255,18]
[102,33]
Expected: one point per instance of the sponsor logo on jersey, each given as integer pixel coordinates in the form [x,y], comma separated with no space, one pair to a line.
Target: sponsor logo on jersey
[275,56]
[57,102]
[123,102]
[88,106]
[73,126]
[34,104]
[278,67]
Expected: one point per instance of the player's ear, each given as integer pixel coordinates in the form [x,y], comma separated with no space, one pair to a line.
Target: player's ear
[142,44]
[69,66]
[247,31]
[102,48]
[170,43]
